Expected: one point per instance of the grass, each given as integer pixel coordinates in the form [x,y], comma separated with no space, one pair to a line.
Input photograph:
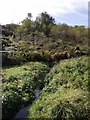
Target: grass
[65,95]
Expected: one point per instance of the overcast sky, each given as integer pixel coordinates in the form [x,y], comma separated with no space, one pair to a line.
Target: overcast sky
[72,12]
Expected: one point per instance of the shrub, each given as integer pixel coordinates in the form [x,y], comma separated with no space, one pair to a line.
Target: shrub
[65,96]
[19,86]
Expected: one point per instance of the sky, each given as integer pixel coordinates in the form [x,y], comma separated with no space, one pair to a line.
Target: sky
[71,12]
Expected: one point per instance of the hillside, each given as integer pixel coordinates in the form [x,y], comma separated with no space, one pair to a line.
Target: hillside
[42,40]
[52,58]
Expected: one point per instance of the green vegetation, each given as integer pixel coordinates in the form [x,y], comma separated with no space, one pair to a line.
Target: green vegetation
[42,35]
[35,46]
[65,96]
[19,84]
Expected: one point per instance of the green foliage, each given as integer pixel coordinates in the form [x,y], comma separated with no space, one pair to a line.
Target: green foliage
[65,95]
[25,28]
[11,103]
[10,27]
[45,21]
[19,84]
[29,16]
[32,37]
